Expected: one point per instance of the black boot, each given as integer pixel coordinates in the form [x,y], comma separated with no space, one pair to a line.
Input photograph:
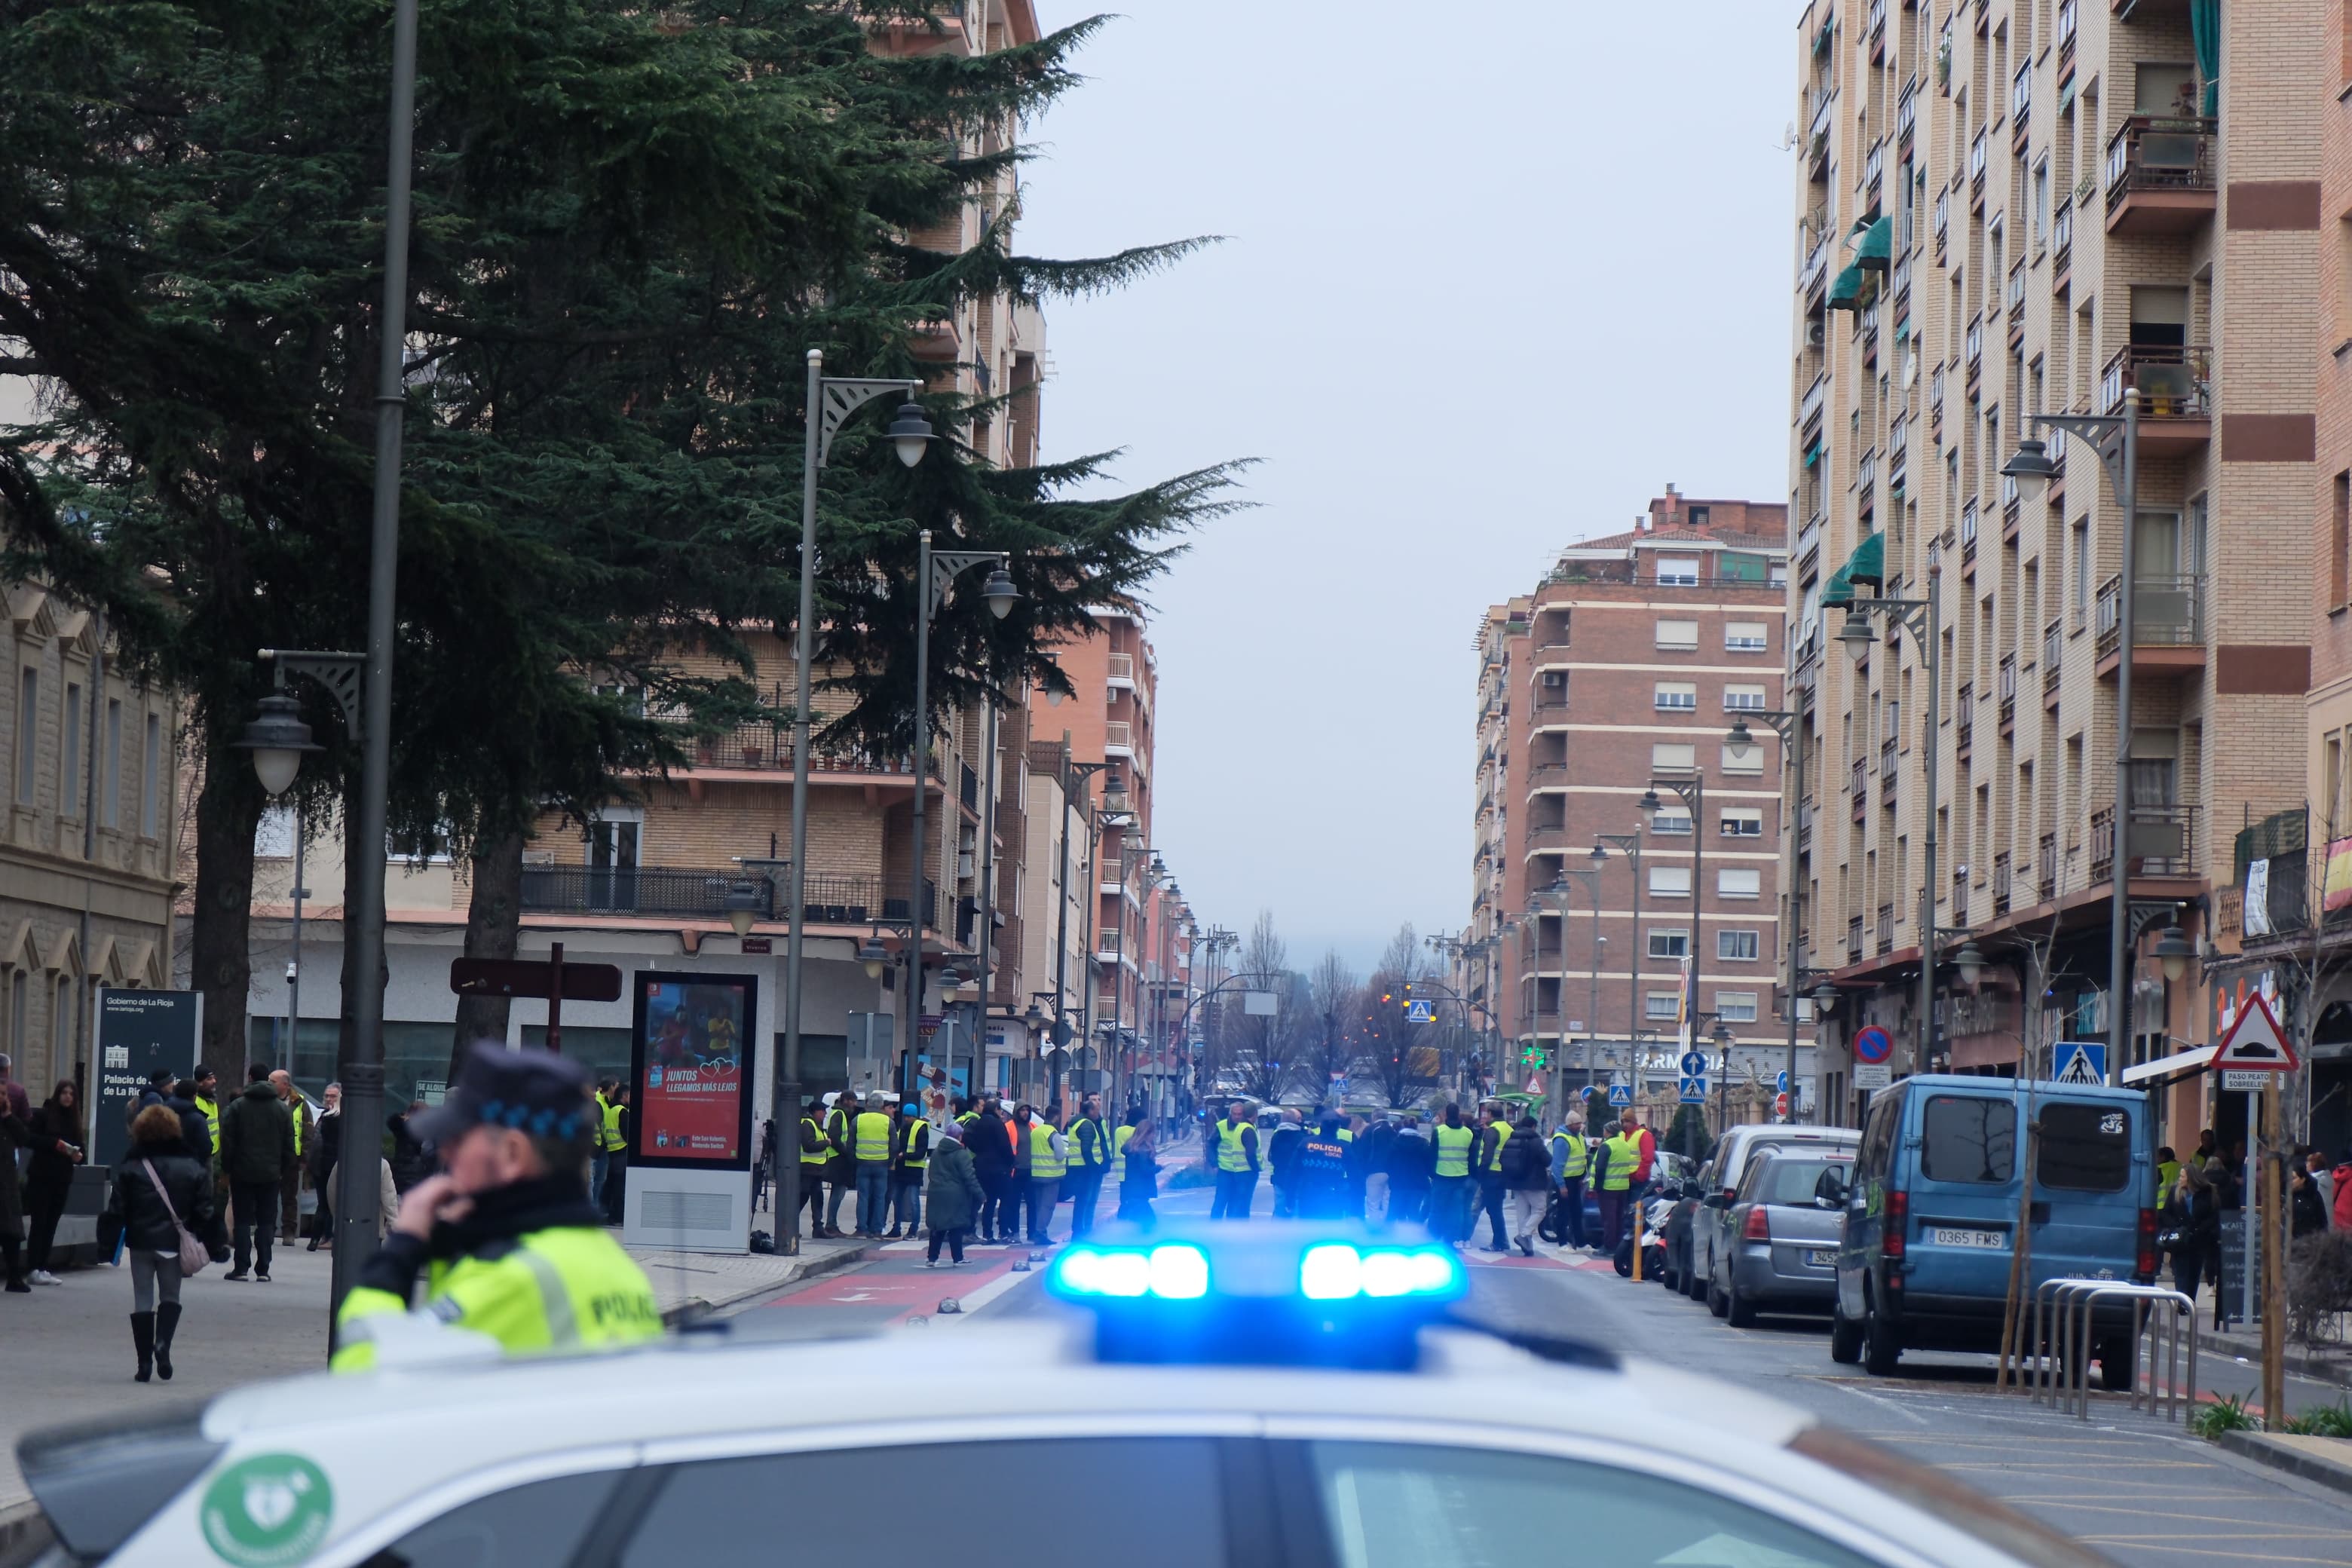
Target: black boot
[167,1320]
[142,1335]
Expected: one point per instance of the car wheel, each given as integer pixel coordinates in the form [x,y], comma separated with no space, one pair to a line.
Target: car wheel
[1694,1282]
[1881,1348]
[1845,1337]
[1737,1309]
[2118,1361]
[1716,1302]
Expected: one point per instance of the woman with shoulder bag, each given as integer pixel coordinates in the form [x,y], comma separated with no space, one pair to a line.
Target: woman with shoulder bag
[162,1205]
[2197,1240]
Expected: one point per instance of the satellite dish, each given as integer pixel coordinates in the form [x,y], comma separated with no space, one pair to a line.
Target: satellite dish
[1789,137]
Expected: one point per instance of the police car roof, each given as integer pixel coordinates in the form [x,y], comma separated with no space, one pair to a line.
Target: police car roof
[2042,1088]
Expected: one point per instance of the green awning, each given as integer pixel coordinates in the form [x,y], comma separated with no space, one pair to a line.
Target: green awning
[1813,453]
[1903,330]
[1866,564]
[1845,289]
[1876,250]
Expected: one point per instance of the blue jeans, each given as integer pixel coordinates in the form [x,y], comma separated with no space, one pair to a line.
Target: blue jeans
[1571,1198]
[873,1196]
[598,1163]
[1450,1201]
[1235,1191]
[906,1201]
[1490,1204]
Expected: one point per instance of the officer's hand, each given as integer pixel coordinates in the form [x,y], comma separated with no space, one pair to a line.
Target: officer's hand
[430,1201]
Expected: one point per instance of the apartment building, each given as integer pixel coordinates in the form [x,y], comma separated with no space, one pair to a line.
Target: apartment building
[2007,208]
[1617,678]
[89,839]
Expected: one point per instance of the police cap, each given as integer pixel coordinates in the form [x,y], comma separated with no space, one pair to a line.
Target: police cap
[536,1092]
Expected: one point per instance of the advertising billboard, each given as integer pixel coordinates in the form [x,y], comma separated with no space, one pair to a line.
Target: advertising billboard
[138,1032]
[688,1062]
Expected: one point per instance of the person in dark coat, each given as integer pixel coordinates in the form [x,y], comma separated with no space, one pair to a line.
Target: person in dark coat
[1138,1181]
[142,1217]
[326,1148]
[412,1158]
[1282,1151]
[15,1132]
[990,1146]
[57,1150]
[2306,1210]
[2198,1218]
[1411,1164]
[954,1194]
[1319,1168]
[257,1138]
[1526,1179]
[841,1166]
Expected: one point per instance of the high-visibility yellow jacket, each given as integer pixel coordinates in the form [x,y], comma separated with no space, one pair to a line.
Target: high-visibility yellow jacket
[816,1148]
[1624,1154]
[1576,1159]
[608,1131]
[1044,1165]
[1089,1144]
[873,1138]
[915,1146]
[1232,1153]
[1453,1149]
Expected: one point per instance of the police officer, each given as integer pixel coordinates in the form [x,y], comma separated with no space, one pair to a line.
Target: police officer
[1235,1139]
[1090,1152]
[871,1140]
[1320,1177]
[510,1245]
[1450,1187]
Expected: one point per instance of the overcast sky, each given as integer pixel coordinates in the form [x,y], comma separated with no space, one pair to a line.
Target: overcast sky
[1490,285]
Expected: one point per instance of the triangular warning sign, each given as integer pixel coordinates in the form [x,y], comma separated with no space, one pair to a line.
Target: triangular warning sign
[2255,1042]
[2080,1071]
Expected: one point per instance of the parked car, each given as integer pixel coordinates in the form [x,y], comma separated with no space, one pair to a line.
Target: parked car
[1932,1212]
[1785,1222]
[1710,1226]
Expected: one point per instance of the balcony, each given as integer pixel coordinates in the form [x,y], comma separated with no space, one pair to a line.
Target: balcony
[1816,269]
[1964,719]
[2054,650]
[2015,298]
[2013,507]
[2007,693]
[2167,625]
[1119,670]
[2176,394]
[1866,477]
[1547,775]
[672,892]
[1118,738]
[2000,883]
[1885,928]
[1969,534]
[1898,449]
[1854,939]
[1809,407]
[2160,844]
[1890,772]
[2062,243]
[1805,828]
[1906,112]
[2160,175]
[1977,171]
[1875,31]
[1808,541]
[1898,282]
[2065,31]
[1551,838]
[1874,166]
[1860,789]
[1943,220]
[2045,868]
[768,748]
[2021,102]
[1936,391]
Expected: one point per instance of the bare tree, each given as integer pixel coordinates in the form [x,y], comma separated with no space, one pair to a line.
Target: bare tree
[1331,991]
[1398,1052]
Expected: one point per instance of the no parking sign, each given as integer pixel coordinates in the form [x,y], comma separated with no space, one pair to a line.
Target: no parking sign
[1872,1045]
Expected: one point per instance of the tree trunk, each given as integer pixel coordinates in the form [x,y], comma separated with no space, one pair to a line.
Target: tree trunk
[220,954]
[493,928]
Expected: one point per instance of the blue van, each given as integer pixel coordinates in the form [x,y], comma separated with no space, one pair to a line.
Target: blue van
[1924,1255]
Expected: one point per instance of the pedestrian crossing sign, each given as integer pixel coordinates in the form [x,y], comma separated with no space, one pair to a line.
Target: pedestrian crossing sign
[2082,1063]
[1619,1094]
[1421,1012]
[1694,1091]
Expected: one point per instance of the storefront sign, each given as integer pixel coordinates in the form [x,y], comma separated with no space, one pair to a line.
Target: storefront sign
[693,1104]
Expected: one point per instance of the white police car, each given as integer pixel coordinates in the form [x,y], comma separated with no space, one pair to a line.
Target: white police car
[1249,1395]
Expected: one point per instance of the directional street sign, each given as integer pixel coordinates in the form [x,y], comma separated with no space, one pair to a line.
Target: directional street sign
[1421,1012]
[1780,1081]
[1694,1091]
[2255,1043]
[1694,1064]
[2082,1063]
[1620,1095]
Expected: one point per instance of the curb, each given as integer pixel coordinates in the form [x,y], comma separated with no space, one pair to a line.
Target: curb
[2332,1370]
[697,1307]
[2264,1449]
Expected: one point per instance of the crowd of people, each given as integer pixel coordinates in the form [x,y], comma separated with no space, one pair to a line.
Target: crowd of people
[2195,1193]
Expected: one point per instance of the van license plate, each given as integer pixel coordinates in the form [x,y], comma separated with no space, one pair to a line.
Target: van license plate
[1821,1257]
[1992,1239]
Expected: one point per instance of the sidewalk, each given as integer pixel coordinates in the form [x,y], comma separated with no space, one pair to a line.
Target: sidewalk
[2321,1364]
[2327,1461]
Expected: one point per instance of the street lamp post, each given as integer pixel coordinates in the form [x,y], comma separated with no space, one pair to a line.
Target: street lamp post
[1789,725]
[1692,790]
[2116,439]
[1073,778]
[1129,854]
[1919,618]
[831,401]
[1590,877]
[1630,844]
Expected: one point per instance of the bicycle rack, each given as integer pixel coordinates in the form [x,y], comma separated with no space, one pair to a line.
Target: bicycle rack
[2063,1313]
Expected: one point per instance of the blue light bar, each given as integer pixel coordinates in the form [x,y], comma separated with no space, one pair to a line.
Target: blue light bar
[1170,1272]
[1336,1271]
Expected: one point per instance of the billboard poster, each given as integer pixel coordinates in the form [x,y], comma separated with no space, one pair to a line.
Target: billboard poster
[687,1058]
[138,1031]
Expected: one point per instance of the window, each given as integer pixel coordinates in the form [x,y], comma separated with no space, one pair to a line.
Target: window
[2339,544]
[1670,881]
[150,777]
[61,1019]
[1667,943]
[1681,636]
[70,759]
[1747,760]
[28,711]
[2042,202]
[1745,637]
[1668,758]
[1740,883]
[1399,1506]
[1736,1006]
[20,1009]
[722,1512]
[543,1524]
[1743,698]
[1677,696]
[1743,822]
[1678,571]
[1662,1005]
[2085,1148]
[109,780]
[1736,946]
[1970,1137]
[1670,820]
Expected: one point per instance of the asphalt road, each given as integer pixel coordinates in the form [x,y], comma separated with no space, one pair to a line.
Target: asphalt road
[2142,1492]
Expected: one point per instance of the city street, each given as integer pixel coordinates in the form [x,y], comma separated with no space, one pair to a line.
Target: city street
[2143,1492]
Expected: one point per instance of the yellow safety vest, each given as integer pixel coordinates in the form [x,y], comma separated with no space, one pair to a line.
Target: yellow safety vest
[1624,1153]
[211,1118]
[1453,1149]
[915,1153]
[294,1104]
[837,1127]
[1231,1155]
[610,1138]
[873,1138]
[1087,1137]
[1118,1137]
[1044,1165]
[813,1134]
[565,1287]
[1496,1135]
[1579,1159]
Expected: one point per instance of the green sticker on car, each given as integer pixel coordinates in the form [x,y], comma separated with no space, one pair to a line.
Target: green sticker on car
[270,1509]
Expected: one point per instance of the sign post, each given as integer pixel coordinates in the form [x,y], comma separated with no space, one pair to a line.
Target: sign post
[2254,1049]
[138,1032]
[554,980]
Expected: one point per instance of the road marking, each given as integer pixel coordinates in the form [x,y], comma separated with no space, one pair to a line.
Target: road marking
[1896,1407]
[988,1292]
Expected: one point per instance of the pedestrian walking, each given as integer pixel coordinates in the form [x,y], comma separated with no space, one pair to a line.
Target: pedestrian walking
[1090,1154]
[1235,1137]
[871,1140]
[257,1150]
[505,1237]
[2197,1241]
[1319,1169]
[290,1186]
[1281,1163]
[1409,1166]
[2321,1177]
[956,1196]
[1049,1153]
[57,1149]
[1526,1178]
[1136,1145]
[989,1140]
[159,1190]
[907,1170]
[841,1168]
[1451,1189]
[614,1197]
[1571,1160]
[327,1147]
[1494,1132]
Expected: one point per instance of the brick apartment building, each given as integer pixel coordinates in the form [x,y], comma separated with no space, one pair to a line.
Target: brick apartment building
[1623,673]
[2007,208]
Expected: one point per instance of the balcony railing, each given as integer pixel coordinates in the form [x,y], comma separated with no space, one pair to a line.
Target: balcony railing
[1964,716]
[2175,379]
[1873,164]
[1547,775]
[672,892]
[769,748]
[1853,938]
[1119,666]
[2166,612]
[2062,233]
[1890,772]
[2065,31]
[1876,27]
[2016,293]
[2000,883]
[1976,164]
[1810,409]
[1943,216]
[1936,391]
[1898,281]
[2163,829]
[2008,690]
[1974,351]
[1118,733]
[1859,789]
[2053,649]
[1906,112]
[1809,538]
[1968,531]
[1865,474]
[1887,928]
[2160,152]
[2020,95]
[2011,504]
[2045,868]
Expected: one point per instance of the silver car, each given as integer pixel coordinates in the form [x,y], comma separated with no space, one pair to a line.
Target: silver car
[1779,1251]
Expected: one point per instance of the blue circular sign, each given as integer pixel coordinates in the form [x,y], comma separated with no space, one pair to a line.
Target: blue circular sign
[1872,1045]
[1694,1064]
